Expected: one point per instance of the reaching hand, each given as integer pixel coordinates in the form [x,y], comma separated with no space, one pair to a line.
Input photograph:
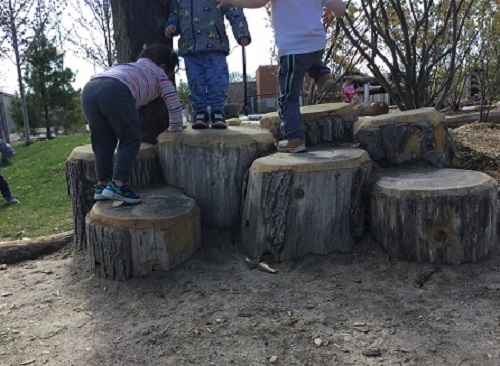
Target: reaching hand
[244,41]
[170,30]
[327,17]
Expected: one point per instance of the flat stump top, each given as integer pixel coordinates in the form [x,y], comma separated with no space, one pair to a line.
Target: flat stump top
[423,115]
[433,182]
[313,112]
[85,152]
[231,137]
[317,160]
[159,209]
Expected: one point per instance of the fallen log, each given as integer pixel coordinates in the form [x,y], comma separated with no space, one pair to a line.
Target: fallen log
[21,250]
[464,119]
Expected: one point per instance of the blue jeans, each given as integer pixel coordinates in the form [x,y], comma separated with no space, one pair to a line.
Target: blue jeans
[208,79]
[291,82]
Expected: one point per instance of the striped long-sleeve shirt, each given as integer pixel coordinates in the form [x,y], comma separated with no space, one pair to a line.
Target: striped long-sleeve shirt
[146,81]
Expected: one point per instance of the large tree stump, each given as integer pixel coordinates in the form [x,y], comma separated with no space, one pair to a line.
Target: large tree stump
[81,177]
[323,123]
[304,204]
[210,165]
[411,137]
[126,241]
[443,216]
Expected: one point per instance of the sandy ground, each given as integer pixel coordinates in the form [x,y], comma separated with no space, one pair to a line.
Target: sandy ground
[352,309]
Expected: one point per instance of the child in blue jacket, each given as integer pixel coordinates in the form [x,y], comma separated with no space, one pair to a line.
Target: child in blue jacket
[8,152]
[204,45]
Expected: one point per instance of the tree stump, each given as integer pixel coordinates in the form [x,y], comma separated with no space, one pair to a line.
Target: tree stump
[126,241]
[323,123]
[443,216]
[372,109]
[410,137]
[210,165]
[304,204]
[81,177]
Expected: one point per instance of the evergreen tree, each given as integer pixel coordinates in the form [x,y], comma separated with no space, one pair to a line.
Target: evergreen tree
[50,92]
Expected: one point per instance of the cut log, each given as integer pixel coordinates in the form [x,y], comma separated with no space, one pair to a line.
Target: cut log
[442,216]
[21,250]
[402,138]
[81,177]
[372,109]
[323,123]
[304,204]
[210,165]
[127,241]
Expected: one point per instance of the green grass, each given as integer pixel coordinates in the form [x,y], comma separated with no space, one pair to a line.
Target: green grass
[37,177]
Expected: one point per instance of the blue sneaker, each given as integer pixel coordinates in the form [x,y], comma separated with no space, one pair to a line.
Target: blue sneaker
[98,196]
[123,193]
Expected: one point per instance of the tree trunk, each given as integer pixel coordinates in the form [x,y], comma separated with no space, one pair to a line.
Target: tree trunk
[159,234]
[442,216]
[211,166]
[81,177]
[298,204]
[139,22]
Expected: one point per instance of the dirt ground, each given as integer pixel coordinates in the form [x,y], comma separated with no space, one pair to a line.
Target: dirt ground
[356,309]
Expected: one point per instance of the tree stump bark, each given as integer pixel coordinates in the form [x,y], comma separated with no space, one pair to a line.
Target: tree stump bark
[443,216]
[81,177]
[411,137]
[304,204]
[323,123]
[210,165]
[126,241]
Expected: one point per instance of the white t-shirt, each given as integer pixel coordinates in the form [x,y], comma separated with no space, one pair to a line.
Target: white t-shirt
[297,26]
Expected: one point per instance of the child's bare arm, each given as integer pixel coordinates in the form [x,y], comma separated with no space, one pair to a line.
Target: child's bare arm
[337,7]
[250,4]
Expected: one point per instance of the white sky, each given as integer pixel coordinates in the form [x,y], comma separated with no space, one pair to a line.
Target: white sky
[257,53]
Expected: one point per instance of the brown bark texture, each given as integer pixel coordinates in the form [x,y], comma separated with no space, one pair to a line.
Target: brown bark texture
[139,22]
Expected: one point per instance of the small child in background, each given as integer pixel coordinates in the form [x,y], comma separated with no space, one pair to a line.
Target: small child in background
[8,152]
[301,40]
[110,101]
[349,93]
[204,45]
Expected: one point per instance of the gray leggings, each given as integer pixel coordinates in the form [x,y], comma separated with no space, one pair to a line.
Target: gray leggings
[113,119]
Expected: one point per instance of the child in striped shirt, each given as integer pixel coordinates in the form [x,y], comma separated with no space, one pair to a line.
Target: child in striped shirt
[110,101]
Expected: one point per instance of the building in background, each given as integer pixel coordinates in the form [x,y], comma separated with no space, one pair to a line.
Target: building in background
[7,125]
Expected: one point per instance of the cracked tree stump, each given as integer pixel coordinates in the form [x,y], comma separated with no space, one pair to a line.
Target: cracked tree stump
[298,204]
[210,165]
[442,216]
[126,241]
[81,177]
[323,123]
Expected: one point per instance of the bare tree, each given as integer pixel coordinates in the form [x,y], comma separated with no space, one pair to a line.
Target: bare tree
[416,41]
[23,23]
[14,27]
[93,35]
[487,60]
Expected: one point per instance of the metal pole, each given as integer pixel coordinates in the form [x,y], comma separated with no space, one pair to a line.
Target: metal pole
[245,91]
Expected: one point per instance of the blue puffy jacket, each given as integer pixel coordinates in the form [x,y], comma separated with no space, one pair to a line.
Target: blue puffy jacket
[200,24]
